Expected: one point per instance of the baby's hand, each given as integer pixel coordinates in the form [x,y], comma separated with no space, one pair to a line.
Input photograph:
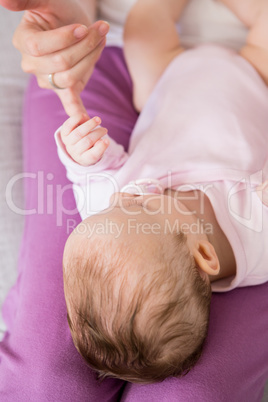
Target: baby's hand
[83,141]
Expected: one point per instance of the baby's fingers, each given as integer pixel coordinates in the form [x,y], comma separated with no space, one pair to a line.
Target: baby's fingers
[93,155]
[88,141]
[83,130]
[71,124]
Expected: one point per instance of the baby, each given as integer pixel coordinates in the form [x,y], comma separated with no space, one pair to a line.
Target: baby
[183,212]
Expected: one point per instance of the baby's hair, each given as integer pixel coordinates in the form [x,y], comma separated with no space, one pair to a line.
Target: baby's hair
[145,317]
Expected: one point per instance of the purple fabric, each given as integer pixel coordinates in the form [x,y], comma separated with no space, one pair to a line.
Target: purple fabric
[38,361]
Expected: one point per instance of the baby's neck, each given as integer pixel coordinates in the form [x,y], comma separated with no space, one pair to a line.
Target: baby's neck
[199,203]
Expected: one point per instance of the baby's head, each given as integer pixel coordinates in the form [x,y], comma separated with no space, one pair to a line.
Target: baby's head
[138,305]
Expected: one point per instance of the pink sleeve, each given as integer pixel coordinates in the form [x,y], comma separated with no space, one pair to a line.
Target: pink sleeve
[113,159]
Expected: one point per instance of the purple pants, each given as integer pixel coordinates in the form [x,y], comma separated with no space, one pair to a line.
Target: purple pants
[38,361]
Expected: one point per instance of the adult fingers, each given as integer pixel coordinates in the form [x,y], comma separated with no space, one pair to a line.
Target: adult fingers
[19,5]
[31,39]
[71,101]
[78,75]
[64,59]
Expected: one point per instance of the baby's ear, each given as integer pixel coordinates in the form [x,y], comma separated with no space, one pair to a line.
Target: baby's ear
[206,258]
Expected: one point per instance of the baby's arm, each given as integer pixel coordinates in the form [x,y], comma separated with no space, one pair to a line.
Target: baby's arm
[86,150]
[151,42]
[254,14]
[91,163]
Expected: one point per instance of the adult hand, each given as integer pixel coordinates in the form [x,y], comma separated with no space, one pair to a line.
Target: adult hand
[56,37]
